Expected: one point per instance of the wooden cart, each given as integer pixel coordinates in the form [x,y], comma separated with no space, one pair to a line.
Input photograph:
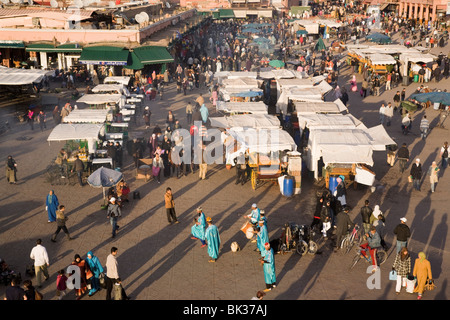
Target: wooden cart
[348,173]
[144,169]
[264,168]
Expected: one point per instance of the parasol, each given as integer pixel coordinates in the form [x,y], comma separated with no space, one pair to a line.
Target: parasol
[379,38]
[276,63]
[104,178]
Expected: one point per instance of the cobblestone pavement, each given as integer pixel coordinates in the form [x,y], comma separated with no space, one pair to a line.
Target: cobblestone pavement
[158,261]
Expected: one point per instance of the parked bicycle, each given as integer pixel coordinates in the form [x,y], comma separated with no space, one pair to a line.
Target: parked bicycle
[352,238]
[380,256]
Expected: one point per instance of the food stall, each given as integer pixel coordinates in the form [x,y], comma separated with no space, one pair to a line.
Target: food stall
[266,150]
[263,121]
[103,100]
[411,63]
[291,94]
[233,107]
[380,63]
[82,139]
[323,107]
[340,151]
[89,116]
[124,80]
[112,88]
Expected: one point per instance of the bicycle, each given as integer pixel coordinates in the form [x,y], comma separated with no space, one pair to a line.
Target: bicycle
[380,256]
[355,236]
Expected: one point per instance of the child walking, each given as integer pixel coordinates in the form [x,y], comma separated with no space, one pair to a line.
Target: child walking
[61,284]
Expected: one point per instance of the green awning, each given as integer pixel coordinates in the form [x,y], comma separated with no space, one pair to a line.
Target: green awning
[105,55]
[41,47]
[216,14]
[226,13]
[153,55]
[134,63]
[47,47]
[70,47]
[4,44]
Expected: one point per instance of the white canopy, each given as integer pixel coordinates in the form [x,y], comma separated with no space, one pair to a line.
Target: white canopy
[340,146]
[313,107]
[18,77]
[277,74]
[242,107]
[380,138]
[417,57]
[101,98]
[296,94]
[220,76]
[263,140]
[263,121]
[118,79]
[241,83]
[381,59]
[76,131]
[87,116]
[326,121]
[298,83]
[227,93]
[110,88]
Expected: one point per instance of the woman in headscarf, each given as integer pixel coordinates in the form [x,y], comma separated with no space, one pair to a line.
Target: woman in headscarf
[337,93]
[375,213]
[96,268]
[84,269]
[433,172]
[402,265]
[204,113]
[422,272]
[353,84]
[341,191]
[51,205]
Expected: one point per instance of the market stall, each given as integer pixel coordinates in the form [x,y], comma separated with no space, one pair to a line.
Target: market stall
[22,77]
[257,121]
[297,94]
[313,107]
[339,151]
[112,88]
[82,140]
[241,107]
[89,116]
[102,100]
[265,149]
[240,95]
[124,80]
[411,63]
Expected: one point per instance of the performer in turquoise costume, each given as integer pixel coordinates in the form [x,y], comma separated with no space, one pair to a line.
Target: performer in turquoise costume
[268,261]
[262,237]
[51,205]
[199,228]
[96,268]
[255,215]
[213,240]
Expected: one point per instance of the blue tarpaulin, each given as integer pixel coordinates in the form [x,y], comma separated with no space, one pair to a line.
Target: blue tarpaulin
[433,97]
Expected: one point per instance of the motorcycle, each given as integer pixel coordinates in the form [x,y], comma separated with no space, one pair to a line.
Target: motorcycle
[295,237]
